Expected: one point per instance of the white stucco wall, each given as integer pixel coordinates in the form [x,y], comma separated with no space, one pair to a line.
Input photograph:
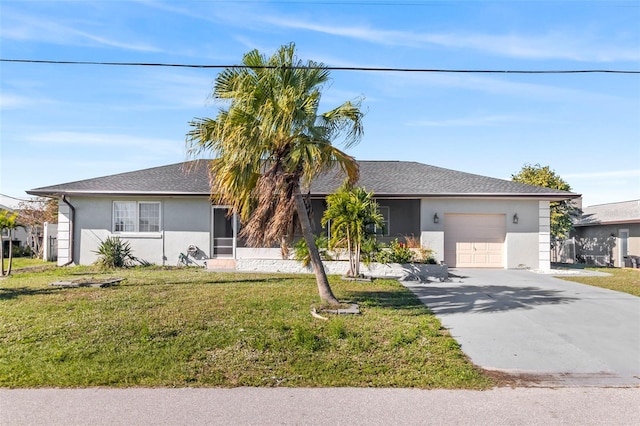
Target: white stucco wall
[523,241]
[258,253]
[187,221]
[184,222]
[392,270]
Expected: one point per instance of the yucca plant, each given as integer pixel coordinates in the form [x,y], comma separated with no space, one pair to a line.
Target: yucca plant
[115,253]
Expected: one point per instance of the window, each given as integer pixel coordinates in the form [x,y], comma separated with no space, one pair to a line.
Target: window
[136,216]
[149,217]
[124,216]
[381,231]
[384,211]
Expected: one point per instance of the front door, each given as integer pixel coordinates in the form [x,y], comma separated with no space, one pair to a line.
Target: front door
[224,232]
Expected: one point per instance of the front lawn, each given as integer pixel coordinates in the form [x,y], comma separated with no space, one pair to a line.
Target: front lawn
[624,280]
[188,327]
[26,262]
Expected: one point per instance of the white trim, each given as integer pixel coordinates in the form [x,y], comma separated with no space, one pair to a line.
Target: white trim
[544,236]
[149,235]
[621,253]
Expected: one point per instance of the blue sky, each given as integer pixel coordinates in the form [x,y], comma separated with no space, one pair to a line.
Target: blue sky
[61,123]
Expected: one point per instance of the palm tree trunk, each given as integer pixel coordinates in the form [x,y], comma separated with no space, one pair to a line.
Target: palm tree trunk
[324,289]
[357,259]
[10,252]
[1,256]
[349,249]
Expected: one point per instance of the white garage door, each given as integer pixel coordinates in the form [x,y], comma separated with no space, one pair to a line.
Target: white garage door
[474,240]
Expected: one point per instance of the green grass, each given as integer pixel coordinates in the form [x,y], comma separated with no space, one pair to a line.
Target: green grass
[624,280]
[25,262]
[193,328]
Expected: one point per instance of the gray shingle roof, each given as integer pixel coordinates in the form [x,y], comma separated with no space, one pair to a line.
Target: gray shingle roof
[188,178]
[602,214]
[384,178]
[408,178]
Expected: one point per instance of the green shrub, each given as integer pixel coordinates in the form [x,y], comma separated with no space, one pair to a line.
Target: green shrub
[370,250]
[397,252]
[22,251]
[115,253]
[301,251]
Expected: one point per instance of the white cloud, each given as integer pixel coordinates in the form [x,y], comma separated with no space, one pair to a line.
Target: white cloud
[552,45]
[9,101]
[28,28]
[410,83]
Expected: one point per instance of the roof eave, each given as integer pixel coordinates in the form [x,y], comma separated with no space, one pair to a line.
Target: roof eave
[544,196]
[608,222]
[59,193]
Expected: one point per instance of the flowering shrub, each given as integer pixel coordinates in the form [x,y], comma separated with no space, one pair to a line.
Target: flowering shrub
[397,252]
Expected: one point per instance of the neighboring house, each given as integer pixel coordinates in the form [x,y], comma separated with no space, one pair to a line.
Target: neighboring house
[609,234]
[166,213]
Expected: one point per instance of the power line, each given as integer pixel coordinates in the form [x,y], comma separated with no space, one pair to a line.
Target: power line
[377,69]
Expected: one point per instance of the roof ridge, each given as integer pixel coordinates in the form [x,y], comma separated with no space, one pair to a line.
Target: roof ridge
[613,203]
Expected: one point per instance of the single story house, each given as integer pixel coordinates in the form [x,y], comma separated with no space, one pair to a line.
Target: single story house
[166,213]
[609,234]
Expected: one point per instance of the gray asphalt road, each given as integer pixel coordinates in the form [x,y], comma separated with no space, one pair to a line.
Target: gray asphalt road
[283,406]
[519,321]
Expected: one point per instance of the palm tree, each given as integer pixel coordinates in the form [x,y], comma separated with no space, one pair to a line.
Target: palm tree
[8,222]
[270,142]
[351,213]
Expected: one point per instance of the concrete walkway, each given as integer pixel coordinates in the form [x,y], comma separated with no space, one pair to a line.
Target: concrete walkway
[339,406]
[546,330]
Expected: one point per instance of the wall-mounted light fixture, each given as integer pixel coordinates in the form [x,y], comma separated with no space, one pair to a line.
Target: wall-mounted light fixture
[436,219]
[515,218]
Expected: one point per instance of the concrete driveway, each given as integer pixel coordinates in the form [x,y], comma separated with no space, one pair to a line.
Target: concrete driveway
[541,328]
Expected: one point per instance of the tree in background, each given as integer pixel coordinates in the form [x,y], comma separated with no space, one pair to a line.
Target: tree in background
[8,222]
[32,215]
[270,141]
[562,212]
[351,213]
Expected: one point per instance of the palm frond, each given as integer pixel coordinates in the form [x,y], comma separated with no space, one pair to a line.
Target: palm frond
[271,138]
